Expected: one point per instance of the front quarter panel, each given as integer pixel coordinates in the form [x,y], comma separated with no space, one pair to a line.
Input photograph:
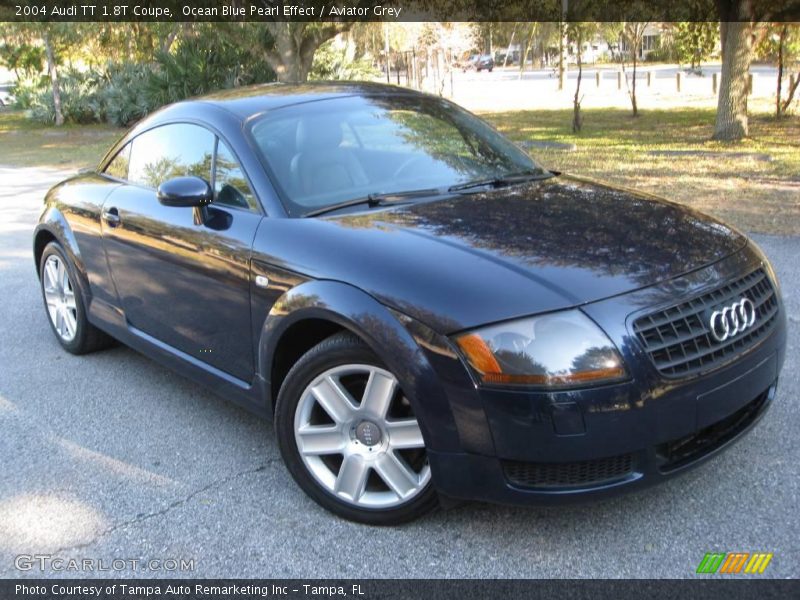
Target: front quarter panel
[381,330]
[71,214]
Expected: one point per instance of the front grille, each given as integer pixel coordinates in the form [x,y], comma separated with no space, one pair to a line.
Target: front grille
[572,474]
[678,341]
[685,450]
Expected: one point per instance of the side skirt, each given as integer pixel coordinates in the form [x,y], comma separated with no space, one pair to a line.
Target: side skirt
[250,396]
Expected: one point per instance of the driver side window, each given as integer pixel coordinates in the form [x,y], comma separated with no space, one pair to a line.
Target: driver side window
[171,151]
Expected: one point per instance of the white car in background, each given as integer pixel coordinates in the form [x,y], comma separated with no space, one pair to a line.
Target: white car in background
[5,94]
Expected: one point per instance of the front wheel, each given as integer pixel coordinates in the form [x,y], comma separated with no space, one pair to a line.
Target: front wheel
[350,438]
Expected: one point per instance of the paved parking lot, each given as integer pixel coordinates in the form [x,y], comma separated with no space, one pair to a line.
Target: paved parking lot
[111,456]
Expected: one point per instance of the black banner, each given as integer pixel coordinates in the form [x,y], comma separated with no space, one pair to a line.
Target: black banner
[390,10]
[373,589]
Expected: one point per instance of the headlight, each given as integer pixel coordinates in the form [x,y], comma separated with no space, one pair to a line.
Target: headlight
[554,350]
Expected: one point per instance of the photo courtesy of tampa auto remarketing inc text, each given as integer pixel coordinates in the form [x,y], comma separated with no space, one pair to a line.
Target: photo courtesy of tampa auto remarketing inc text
[413,299]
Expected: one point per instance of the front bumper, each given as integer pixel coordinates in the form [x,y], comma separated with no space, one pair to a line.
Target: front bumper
[523,447]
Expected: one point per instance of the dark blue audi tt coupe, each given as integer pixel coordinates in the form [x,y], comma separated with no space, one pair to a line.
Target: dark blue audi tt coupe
[424,310]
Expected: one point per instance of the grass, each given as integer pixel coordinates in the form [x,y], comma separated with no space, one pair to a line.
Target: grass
[24,143]
[730,182]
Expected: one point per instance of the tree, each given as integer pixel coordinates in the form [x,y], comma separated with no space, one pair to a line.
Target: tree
[788,45]
[577,33]
[736,36]
[740,33]
[448,41]
[612,34]
[563,45]
[287,47]
[632,33]
[19,54]
[52,69]
[526,46]
[295,44]
[781,44]
[57,40]
[695,41]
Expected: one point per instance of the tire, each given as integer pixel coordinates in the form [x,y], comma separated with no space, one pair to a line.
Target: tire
[64,304]
[370,466]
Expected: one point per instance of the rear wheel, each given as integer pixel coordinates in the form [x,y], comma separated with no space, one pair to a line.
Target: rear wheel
[65,305]
[350,438]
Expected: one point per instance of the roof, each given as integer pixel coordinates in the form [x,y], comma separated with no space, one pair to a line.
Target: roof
[247,101]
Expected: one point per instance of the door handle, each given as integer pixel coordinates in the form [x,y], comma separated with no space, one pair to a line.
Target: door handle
[111,216]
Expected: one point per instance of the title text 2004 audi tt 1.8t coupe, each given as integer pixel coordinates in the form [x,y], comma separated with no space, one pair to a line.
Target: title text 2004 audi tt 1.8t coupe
[424,310]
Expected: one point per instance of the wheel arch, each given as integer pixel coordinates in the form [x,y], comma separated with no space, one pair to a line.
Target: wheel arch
[53,227]
[312,311]
[298,338]
[41,238]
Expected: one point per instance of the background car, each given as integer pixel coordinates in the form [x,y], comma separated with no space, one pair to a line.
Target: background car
[485,62]
[5,94]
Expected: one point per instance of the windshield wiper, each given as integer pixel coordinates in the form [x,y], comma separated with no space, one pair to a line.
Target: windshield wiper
[373,200]
[502,180]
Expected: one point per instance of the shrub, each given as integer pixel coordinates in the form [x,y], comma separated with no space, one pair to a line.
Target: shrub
[79,99]
[123,93]
[123,98]
[25,90]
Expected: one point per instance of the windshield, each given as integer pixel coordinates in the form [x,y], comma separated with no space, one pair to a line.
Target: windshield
[327,152]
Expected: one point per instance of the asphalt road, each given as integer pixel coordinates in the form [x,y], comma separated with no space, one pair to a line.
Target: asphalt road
[111,456]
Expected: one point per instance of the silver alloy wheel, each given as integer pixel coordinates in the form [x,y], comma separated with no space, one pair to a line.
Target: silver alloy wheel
[357,453]
[60,298]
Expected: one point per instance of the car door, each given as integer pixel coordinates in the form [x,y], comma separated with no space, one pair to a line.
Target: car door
[182,274]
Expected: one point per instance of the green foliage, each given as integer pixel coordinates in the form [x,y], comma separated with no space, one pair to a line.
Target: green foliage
[78,97]
[23,58]
[123,98]
[665,52]
[198,67]
[695,41]
[123,92]
[26,90]
[333,63]
[768,46]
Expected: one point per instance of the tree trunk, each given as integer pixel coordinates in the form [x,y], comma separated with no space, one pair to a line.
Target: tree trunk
[577,119]
[166,44]
[781,41]
[51,68]
[528,48]
[633,87]
[790,93]
[731,122]
[290,60]
[295,44]
[562,50]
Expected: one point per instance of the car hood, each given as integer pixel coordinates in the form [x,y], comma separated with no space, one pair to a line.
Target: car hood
[473,259]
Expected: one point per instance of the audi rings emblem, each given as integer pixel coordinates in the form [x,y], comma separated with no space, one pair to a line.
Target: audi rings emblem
[731,320]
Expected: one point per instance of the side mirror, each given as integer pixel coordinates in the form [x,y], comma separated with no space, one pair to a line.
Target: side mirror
[185,191]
